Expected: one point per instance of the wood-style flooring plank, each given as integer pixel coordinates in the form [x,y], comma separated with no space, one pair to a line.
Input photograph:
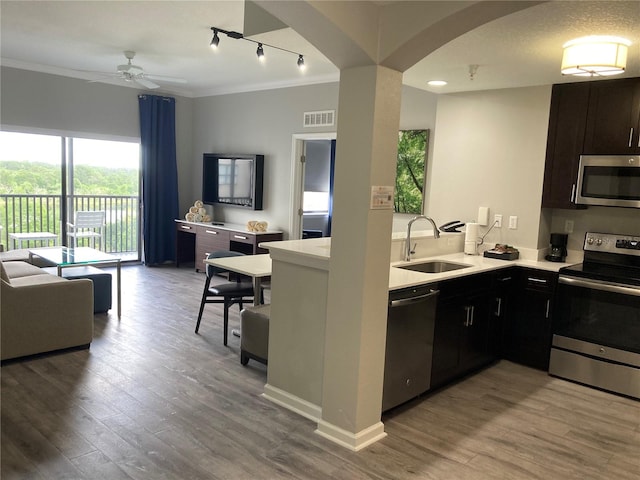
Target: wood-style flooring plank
[152,400]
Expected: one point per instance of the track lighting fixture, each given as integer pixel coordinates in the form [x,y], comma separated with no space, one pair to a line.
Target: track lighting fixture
[215,41]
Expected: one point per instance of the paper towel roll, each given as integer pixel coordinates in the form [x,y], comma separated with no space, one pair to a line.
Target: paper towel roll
[471,239]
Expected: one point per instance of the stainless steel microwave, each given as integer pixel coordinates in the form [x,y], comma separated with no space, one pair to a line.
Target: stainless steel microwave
[609,180]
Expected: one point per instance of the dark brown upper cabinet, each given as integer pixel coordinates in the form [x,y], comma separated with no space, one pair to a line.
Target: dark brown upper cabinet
[588,118]
[613,118]
[565,139]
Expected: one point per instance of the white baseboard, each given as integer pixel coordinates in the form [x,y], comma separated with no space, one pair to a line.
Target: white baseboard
[352,441]
[291,402]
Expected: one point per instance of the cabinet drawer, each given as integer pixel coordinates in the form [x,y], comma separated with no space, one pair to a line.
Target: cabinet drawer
[241,237]
[185,227]
[213,238]
[539,280]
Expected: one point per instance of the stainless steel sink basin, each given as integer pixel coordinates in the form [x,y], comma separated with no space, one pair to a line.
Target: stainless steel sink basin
[434,266]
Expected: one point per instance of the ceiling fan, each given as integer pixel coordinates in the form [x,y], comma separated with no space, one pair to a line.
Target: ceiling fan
[134,73]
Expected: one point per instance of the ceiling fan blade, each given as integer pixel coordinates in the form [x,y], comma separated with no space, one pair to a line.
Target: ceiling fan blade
[146,83]
[162,78]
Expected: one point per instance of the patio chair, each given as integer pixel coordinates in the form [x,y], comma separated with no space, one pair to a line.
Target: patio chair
[87,225]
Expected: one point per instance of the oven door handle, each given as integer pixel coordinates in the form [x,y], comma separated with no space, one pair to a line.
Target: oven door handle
[599,285]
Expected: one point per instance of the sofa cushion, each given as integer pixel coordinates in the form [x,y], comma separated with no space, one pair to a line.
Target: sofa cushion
[21,269]
[44,279]
[20,255]
[3,274]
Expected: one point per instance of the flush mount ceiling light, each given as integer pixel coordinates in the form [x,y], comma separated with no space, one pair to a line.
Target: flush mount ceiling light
[436,83]
[595,56]
[215,41]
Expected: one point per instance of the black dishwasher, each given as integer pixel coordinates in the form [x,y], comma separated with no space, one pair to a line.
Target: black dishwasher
[410,326]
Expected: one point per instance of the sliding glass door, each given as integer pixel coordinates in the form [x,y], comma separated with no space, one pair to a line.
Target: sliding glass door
[45,179]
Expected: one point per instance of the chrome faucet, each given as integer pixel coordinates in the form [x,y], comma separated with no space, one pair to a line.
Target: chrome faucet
[436,234]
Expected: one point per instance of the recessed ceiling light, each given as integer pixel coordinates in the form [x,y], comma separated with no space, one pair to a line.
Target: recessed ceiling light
[436,83]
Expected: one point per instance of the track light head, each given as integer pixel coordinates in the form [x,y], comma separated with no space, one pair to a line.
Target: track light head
[215,40]
[301,64]
[260,52]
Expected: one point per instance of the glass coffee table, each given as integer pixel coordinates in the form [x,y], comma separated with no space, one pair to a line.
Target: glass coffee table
[64,257]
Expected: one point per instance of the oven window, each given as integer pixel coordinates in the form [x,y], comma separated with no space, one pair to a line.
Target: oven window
[621,183]
[604,318]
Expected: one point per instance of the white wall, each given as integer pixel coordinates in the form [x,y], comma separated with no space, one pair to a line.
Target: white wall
[489,150]
[261,123]
[264,122]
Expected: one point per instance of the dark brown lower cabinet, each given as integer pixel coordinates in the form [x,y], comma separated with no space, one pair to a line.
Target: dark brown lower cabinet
[464,320]
[527,338]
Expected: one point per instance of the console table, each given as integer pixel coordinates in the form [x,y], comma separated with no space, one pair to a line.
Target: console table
[195,240]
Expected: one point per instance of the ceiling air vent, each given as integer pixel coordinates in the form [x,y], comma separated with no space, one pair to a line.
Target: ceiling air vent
[324,118]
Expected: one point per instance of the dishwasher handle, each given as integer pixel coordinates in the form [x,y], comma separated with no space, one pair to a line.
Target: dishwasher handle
[409,301]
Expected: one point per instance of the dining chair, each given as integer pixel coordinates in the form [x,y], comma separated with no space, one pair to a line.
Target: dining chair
[87,224]
[227,293]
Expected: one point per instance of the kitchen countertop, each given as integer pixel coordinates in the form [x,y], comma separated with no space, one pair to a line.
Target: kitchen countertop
[320,249]
[401,278]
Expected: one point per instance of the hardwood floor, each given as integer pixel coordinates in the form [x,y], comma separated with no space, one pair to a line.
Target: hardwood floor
[153,400]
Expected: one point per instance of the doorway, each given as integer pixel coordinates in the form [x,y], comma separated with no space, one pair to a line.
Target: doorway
[313,162]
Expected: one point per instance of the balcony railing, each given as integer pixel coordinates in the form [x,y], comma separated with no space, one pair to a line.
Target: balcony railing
[43,213]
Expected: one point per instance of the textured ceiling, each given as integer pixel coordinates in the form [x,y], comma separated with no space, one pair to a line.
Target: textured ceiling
[171,38]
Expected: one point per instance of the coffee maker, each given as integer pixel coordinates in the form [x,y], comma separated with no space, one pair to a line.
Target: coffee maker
[558,249]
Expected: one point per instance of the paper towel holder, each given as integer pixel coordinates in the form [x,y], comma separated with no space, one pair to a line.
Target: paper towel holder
[471,244]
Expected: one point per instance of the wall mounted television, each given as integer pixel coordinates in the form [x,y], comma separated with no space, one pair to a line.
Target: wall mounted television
[231,179]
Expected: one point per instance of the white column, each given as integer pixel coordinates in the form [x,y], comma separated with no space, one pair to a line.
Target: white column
[368,123]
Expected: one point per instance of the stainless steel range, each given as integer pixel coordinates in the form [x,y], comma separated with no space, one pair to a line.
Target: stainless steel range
[596,332]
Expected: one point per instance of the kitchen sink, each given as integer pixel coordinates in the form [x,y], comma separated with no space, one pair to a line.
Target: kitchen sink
[434,266]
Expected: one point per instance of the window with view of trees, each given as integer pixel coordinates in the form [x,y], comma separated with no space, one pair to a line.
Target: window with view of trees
[44,179]
[410,171]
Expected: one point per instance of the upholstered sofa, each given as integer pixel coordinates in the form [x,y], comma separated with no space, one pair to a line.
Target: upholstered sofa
[40,312]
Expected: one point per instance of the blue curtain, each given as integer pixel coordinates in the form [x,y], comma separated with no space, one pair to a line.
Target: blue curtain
[159,177]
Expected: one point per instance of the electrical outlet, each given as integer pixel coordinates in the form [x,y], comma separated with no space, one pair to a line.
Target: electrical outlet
[568,226]
[513,222]
[497,220]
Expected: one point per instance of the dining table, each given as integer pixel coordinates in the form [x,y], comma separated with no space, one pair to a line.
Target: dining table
[258,267]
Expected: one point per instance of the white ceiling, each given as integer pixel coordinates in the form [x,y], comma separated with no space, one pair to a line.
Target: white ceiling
[171,38]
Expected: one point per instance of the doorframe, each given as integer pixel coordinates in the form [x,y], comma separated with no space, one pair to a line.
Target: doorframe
[297,175]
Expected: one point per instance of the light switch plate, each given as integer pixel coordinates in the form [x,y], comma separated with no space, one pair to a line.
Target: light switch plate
[513,222]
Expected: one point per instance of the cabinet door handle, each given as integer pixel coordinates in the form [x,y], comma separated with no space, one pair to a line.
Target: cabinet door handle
[546,315]
[185,227]
[467,320]
[499,307]
[212,232]
[473,312]
[241,237]
[504,279]
[536,280]
[631,136]
[573,193]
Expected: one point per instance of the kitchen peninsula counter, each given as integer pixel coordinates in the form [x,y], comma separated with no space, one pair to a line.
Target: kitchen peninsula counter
[317,252]
[300,278]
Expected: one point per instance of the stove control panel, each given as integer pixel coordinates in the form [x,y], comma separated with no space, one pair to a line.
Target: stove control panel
[611,243]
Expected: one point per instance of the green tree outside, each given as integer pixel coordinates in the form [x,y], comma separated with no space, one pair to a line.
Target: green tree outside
[410,171]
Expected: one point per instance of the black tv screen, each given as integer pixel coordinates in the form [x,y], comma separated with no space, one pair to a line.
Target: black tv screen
[229,179]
